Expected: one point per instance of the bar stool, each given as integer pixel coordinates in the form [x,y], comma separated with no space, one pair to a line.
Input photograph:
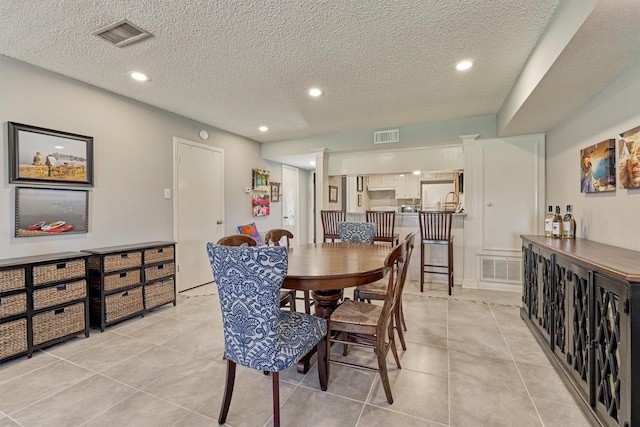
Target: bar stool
[330,220]
[435,229]
[385,225]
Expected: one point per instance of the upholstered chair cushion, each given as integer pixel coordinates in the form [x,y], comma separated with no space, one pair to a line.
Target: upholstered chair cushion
[256,333]
[356,232]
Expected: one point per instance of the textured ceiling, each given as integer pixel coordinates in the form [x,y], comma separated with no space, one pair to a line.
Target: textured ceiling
[237,65]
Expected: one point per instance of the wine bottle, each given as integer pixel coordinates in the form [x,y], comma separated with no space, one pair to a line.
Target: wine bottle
[557,224]
[548,223]
[568,225]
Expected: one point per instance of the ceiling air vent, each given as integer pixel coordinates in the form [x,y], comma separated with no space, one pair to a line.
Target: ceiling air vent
[386,136]
[122,33]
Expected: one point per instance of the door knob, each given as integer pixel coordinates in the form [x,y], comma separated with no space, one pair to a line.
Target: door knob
[219,222]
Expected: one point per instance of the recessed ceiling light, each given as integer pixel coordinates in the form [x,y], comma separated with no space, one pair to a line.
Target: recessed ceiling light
[263,128]
[315,92]
[417,172]
[312,163]
[464,65]
[139,76]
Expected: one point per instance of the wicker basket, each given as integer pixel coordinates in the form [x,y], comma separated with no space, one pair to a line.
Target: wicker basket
[11,305]
[116,281]
[159,271]
[121,305]
[158,254]
[58,323]
[159,293]
[13,338]
[54,295]
[117,261]
[12,279]
[58,272]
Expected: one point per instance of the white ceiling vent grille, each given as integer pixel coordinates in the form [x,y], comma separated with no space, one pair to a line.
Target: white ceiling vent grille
[122,33]
[386,136]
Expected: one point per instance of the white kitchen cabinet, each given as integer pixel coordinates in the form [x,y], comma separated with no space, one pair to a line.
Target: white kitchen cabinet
[407,186]
[357,201]
[381,182]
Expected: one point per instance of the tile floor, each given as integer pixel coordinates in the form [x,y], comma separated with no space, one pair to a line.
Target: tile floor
[471,361]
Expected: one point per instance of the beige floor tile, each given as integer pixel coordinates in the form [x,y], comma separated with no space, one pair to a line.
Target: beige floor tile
[426,333]
[163,330]
[311,408]
[108,353]
[62,409]
[7,422]
[477,405]
[29,388]
[22,365]
[425,358]
[486,342]
[251,403]
[344,381]
[205,342]
[373,416]
[147,367]
[509,321]
[558,415]
[419,312]
[157,413]
[80,343]
[193,419]
[543,382]
[189,384]
[526,349]
[416,394]
[485,371]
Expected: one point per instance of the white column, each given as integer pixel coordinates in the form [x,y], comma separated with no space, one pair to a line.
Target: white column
[322,189]
[472,200]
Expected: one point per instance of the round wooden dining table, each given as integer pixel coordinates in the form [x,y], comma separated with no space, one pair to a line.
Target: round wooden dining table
[327,268]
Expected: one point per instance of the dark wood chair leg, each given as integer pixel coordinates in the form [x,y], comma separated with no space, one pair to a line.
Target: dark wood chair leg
[398,326]
[292,299]
[321,348]
[450,266]
[384,375]
[392,345]
[404,324]
[422,267]
[228,391]
[307,302]
[275,385]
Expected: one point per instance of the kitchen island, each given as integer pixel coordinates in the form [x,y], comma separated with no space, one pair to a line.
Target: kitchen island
[408,223]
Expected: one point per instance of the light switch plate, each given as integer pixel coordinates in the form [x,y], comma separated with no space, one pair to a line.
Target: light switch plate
[167,193]
[247,190]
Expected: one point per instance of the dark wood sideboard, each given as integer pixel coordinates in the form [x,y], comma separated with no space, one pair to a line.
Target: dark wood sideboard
[582,300]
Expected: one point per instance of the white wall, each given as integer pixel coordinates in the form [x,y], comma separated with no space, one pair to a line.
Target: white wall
[132,161]
[613,217]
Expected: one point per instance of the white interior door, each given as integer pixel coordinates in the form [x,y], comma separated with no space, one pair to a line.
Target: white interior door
[290,202]
[198,209]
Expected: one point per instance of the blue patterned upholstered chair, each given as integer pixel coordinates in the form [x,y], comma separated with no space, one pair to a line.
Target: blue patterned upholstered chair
[257,334]
[356,232]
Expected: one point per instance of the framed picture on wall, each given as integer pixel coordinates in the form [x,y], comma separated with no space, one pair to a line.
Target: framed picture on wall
[45,156]
[275,191]
[629,158]
[359,184]
[51,211]
[260,181]
[260,205]
[598,167]
[333,194]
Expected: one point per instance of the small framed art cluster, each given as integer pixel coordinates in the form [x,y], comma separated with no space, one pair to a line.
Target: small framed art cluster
[45,159]
[260,192]
[598,164]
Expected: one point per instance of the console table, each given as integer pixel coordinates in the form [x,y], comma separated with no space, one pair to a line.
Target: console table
[582,300]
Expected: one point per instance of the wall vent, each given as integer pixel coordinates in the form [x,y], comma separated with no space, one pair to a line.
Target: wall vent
[386,136]
[122,33]
[501,269]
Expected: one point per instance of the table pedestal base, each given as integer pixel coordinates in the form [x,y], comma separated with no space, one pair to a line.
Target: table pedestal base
[326,302]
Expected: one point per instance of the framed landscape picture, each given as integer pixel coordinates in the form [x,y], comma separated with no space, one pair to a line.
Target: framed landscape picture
[45,156]
[260,181]
[51,211]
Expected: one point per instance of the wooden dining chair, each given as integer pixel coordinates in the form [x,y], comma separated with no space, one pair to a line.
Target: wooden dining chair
[385,222]
[257,334]
[356,232]
[369,325]
[378,291]
[435,229]
[287,297]
[274,237]
[330,220]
